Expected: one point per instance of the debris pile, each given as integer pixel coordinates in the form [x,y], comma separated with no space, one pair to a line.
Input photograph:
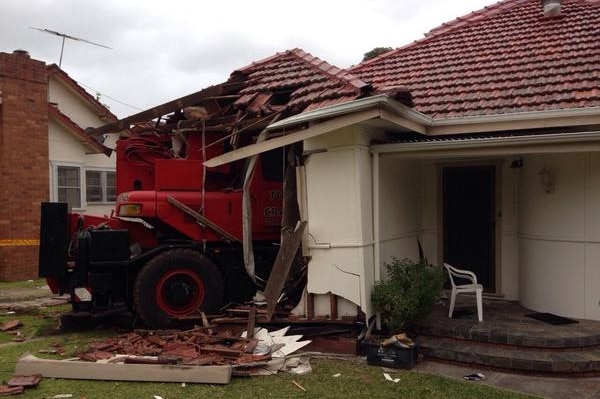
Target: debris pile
[199,355]
[197,347]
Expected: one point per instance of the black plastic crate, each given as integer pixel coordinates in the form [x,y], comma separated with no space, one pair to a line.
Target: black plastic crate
[390,356]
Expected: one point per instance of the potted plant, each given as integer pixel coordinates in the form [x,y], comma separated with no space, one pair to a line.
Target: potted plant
[408,293]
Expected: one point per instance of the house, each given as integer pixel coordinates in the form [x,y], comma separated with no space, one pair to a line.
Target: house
[492,161]
[45,154]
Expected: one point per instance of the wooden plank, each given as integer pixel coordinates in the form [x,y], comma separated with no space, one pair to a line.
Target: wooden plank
[310,306]
[225,352]
[251,323]
[29,364]
[287,252]
[223,89]
[202,219]
[333,310]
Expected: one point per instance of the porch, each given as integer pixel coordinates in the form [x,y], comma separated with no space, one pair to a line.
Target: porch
[508,339]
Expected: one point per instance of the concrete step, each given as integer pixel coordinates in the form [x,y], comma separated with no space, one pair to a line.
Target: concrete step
[532,360]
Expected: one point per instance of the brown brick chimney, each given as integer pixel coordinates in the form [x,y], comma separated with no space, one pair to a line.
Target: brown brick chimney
[24,177]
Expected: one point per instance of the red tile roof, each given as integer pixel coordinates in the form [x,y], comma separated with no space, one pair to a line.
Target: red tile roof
[300,80]
[505,58]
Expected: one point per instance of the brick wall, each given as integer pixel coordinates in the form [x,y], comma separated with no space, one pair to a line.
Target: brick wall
[23,162]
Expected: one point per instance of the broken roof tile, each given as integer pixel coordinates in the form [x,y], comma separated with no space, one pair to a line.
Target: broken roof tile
[304,78]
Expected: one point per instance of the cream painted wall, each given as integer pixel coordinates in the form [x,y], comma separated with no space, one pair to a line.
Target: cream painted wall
[560,236]
[548,246]
[400,202]
[339,208]
[410,203]
[429,211]
[509,224]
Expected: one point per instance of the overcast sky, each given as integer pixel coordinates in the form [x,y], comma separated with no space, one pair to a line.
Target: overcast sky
[166,49]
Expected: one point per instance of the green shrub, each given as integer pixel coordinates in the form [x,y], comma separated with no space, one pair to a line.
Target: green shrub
[409,292]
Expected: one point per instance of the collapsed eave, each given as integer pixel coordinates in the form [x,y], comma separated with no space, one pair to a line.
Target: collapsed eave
[399,117]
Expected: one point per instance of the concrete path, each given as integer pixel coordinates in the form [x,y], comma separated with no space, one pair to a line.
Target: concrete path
[29,297]
[544,387]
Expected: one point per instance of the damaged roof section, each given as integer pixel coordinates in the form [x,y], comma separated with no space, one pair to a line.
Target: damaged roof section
[284,84]
[294,81]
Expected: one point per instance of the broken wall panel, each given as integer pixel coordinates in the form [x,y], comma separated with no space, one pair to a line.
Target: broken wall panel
[341,247]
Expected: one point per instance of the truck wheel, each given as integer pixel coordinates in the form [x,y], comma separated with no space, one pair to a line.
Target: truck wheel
[174,284]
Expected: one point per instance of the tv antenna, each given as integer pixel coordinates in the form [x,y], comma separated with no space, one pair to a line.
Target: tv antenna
[65,36]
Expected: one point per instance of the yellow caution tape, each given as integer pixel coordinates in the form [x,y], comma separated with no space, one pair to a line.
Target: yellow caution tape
[18,243]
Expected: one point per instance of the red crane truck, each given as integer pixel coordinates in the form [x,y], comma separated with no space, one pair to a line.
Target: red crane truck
[173,245]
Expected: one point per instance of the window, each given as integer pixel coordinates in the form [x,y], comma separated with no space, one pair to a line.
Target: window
[100,186]
[76,186]
[69,185]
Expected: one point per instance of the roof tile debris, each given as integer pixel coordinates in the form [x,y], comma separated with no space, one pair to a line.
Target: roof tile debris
[505,58]
[199,347]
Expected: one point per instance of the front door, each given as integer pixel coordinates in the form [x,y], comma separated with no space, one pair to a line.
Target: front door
[469,220]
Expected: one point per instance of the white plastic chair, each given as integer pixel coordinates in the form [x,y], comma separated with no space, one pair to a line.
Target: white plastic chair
[464,288]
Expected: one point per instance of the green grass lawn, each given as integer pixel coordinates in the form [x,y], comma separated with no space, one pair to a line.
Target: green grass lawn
[357,380]
[5,285]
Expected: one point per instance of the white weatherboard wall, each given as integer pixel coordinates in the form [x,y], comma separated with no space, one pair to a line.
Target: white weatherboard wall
[70,103]
[67,149]
[560,236]
[340,226]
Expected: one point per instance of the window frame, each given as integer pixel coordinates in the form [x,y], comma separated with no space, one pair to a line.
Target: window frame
[103,183]
[84,203]
[55,167]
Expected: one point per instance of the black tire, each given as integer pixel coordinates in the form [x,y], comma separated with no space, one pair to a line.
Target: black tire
[174,284]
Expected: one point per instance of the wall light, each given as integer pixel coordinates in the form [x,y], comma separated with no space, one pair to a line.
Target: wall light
[516,164]
[548,180]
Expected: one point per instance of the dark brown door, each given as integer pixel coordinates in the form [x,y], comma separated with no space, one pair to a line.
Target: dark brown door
[469,220]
